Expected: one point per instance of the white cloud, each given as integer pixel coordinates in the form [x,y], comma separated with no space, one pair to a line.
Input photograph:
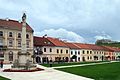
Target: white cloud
[62,34]
[83,15]
[102,35]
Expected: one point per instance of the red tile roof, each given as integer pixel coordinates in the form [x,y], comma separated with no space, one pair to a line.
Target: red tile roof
[13,24]
[57,42]
[40,41]
[72,45]
[95,47]
[90,46]
[113,49]
[82,46]
[48,41]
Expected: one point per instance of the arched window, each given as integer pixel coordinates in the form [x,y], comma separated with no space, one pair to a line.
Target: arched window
[1,33]
[10,56]
[19,35]
[27,36]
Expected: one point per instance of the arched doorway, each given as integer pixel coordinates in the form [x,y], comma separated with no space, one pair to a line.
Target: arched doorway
[38,60]
[95,57]
[66,59]
[74,58]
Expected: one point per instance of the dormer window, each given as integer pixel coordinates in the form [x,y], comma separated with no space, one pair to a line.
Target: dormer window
[10,34]
[1,33]
[19,35]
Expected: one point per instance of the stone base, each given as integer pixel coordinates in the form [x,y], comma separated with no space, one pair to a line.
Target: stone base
[24,67]
[21,70]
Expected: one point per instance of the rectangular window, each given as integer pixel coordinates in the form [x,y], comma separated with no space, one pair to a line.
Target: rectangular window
[1,41]
[50,50]
[79,52]
[71,52]
[1,54]
[83,52]
[90,52]
[1,33]
[57,50]
[66,51]
[61,51]
[10,43]
[19,43]
[90,57]
[10,34]
[87,52]
[75,52]
[19,35]
[28,44]
[44,49]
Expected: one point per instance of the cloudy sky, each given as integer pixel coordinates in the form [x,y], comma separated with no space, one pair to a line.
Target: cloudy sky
[72,20]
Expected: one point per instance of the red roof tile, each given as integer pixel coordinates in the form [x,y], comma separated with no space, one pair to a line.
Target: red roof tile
[13,24]
[57,42]
[72,45]
[90,46]
[113,49]
[82,46]
[40,41]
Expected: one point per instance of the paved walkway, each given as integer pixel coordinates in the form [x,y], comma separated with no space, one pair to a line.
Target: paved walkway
[47,74]
[82,64]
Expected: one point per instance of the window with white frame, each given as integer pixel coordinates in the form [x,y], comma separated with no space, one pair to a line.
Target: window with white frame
[27,36]
[50,49]
[75,52]
[1,41]
[19,43]
[66,51]
[19,35]
[78,52]
[10,34]
[71,52]
[28,44]
[10,43]
[1,54]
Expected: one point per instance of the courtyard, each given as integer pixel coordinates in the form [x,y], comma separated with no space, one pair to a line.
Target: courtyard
[110,71]
[88,71]
[47,74]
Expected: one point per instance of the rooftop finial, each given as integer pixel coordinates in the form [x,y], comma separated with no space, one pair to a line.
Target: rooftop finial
[24,17]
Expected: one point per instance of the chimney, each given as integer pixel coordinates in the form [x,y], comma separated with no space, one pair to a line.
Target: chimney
[7,19]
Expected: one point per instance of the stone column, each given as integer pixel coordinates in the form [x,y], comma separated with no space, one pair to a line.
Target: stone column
[23,54]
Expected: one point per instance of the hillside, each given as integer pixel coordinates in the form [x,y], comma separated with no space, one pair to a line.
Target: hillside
[115,44]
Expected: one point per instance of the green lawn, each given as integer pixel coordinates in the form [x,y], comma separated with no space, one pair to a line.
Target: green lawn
[110,71]
[2,78]
[73,63]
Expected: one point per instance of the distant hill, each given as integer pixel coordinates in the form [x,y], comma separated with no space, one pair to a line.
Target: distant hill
[107,42]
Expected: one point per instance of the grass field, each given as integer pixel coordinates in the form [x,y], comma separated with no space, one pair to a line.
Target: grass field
[2,78]
[110,71]
[74,63]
